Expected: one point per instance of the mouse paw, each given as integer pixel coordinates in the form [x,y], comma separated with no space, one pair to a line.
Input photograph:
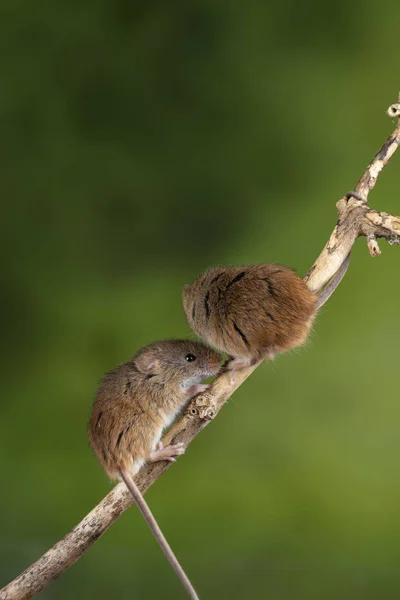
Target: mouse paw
[169,453]
[235,364]
[196,389]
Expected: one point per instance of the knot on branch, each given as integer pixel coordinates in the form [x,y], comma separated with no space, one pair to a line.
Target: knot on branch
[394,110]
[203,406]
[349,203]
[372,244]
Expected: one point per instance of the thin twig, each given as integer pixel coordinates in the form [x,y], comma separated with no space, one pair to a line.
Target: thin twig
[355,219]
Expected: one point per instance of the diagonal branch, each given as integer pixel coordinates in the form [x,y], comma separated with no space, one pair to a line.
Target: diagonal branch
[355,219]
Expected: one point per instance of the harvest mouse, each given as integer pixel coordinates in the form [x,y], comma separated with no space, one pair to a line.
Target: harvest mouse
[253,312]
[135,402]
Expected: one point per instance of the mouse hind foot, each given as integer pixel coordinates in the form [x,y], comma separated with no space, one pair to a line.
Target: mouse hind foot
[169,453]
[235,364]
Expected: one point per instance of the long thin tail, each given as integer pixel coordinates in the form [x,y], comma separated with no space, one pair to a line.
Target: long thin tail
[158,534]
[333,283]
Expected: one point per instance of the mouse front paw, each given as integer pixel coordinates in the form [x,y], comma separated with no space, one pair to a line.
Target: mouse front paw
[196,389]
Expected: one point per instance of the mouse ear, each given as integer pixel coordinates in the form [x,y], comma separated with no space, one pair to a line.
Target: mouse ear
[148,363]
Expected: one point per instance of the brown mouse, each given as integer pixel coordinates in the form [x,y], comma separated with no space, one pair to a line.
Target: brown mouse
[253,312]
[135,402]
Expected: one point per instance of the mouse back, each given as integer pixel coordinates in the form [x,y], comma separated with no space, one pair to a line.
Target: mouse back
[250,311]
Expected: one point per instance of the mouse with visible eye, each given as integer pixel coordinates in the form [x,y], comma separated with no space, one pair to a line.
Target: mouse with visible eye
[254,312]
[135,403]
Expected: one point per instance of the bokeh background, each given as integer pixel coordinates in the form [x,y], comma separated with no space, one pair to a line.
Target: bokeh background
[140,143]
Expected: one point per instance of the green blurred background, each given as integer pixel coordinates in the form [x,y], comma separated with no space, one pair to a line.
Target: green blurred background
[142,142]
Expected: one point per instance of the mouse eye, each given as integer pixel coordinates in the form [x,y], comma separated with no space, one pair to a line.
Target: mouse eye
[190,357]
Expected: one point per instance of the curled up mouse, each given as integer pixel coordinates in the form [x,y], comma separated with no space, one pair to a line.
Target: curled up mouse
[135,403]
[253,312]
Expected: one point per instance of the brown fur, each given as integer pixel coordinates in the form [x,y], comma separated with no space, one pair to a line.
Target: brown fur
[138,399]
[250,312]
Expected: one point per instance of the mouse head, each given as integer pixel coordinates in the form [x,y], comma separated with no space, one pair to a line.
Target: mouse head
[180,360]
